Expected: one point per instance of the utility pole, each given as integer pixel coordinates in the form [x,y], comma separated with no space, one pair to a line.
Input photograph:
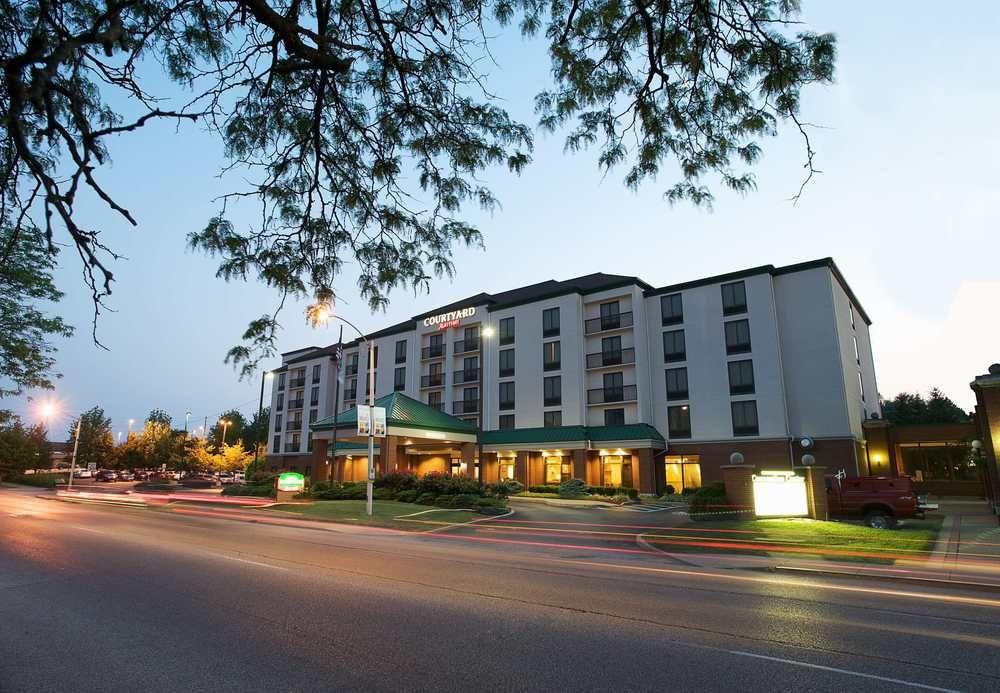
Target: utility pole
[260,415]
[338,356]
[76,445]
[204,430]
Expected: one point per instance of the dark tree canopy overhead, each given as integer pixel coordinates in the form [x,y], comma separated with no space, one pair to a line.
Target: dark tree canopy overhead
[911,408]
[364,125]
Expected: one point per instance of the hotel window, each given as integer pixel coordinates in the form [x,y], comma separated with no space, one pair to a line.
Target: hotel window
[314,397]
[309,446]
[741,377]
[745,418]
[316,370]
[506,423]
[552,390]
[506,363]
[281,381]
[861,386]
[550,322]
[614,417]
[507,395]
[281,402]
[434,399]
[616,471]
[611,351]
[351,392]
[679,422]
[552,419]
[683,472]
[614,387]
[401,351]
[673,346]
[734,298]
[399,379]
[470,368]
[313,415]
[557,470]
[850,307]
[471,338]
[277,422]
[374,363]
[671,309]
[507,466]
[352,364]
[737,336]
[506,331]
[276,442]
[857,352]
[437,341]
[677,383]
[551,356]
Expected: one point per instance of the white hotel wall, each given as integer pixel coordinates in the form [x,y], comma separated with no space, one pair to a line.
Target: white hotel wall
[629,300]
[708,372]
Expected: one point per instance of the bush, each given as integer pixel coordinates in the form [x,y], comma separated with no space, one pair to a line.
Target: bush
[711,498]
[504,488]
[496,502]
[689,490]
[382,493]
[426,498]
[612,491]
[40,480]
[543,489]
[397,481]
[669,490]
[458,500]
[256,490]
[407,496]
[350,490]
[572,488]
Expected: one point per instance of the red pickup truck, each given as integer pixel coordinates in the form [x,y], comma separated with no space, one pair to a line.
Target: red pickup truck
[880,500]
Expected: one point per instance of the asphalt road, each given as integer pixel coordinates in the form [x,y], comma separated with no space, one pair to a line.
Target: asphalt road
[98,598]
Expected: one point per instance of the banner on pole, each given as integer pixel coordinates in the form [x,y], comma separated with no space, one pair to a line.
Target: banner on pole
[378,421]
[364,419]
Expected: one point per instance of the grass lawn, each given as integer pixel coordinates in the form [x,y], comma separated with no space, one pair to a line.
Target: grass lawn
[791,538]
[386,514]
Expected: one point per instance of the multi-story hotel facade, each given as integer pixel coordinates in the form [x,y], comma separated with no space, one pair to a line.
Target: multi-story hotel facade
[602,377]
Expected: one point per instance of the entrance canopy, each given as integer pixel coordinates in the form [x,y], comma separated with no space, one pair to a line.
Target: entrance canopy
[406,418]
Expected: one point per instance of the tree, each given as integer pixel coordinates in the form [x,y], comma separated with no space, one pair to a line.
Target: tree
[233,431]
[26,359]
[256,432]
[97,443]
[911,408]
[21,447]
[364,127]
[160,417]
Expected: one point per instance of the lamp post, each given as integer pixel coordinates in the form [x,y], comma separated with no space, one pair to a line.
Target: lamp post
[76,445]
[320,313]
[260,414]
[130,422]
[225,425]
[485,334]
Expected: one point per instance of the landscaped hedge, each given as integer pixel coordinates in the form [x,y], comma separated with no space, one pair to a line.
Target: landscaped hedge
[40,480]
[710,501]
[440,490]
[592,490]
[256,490]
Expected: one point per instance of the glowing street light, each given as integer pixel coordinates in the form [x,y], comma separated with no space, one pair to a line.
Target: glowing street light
[130,422]
[225,424]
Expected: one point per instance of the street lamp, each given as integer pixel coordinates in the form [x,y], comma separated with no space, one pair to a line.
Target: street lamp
[260,414]
[225,425]
[486,332]
[130,422]
[321,312]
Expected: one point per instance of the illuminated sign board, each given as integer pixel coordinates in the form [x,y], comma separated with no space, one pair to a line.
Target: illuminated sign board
[779,494]
[291,481]
[449,319]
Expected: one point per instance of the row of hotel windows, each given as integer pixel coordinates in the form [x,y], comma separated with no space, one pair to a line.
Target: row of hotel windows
[299,402]
[553,419]
[737,341]
[741,380]
[299,377]
[744,415]
[734,302]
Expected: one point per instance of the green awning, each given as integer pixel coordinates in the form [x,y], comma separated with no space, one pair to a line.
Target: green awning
[403,412]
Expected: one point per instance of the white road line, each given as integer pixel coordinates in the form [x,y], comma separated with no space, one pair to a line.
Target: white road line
[245,560]
[847,672]
[88,529]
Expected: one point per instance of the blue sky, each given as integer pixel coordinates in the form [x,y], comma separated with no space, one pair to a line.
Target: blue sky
[907,205]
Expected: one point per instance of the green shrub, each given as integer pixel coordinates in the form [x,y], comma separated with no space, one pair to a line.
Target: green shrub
[39,480]
[711,498]
[255,490]
[612,491]
[547,488]
[505,488]
[461,500]
[572,488]
[426,499]
[382,493]
[495,502]
[689,490]
[397,481]
[669,490]
[350,490]
[407,496]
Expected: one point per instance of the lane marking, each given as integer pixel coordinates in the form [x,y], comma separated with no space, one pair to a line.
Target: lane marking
[837,670]
[246,560]
[88,529]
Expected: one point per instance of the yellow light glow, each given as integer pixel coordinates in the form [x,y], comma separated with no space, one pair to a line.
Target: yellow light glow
[48,409]
[487,332]
[779,494]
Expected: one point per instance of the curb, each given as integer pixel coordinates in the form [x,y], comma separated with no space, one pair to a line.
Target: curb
[985,586]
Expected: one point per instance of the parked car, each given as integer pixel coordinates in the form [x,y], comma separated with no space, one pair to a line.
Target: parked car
[239,477]
[106,475]
[142,475]
[199,481]
[881,501]
[227,478]
[84,473]
[126,475]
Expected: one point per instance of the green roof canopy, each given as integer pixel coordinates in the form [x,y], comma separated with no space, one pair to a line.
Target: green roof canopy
[403,412]
[563,434]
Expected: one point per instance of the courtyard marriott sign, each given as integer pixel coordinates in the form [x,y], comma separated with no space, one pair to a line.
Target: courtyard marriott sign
[449,319]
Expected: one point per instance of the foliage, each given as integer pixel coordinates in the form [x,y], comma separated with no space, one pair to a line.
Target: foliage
[669,490]
[234,431]
[397,481]
[710,498]
[573,488]
[160,417]
[255,433]
[363,128]
[911,408]
[614,491]
[26,265]
[97,442]
[505,488]
[256,490]
[40,480]
[546,488]
[21,447]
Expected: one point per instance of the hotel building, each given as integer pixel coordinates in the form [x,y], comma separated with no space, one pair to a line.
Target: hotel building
[602,377]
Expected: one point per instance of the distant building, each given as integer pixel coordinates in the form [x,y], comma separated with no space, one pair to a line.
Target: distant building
[606,376]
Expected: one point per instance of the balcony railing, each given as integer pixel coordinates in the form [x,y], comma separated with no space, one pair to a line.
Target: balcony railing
[432,380]
[552,365]
[434,351]
[350,395]
[296,403]
[465,406]
[464,346]
[673,395]
[470,375]
[351,369]
[618,321]
[297,382]
[294,423]
[618,357]
[291,447]
[436,405]
[552,401]
[605,395]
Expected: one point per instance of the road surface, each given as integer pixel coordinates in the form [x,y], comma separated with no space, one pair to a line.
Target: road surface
[117,599]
